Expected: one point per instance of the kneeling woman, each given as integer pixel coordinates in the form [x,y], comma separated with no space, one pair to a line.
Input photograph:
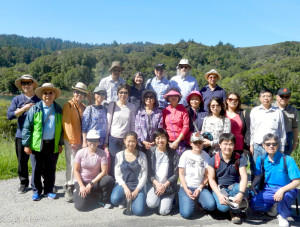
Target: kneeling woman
[193,177]
[90,171]
[162,173]
[131,176]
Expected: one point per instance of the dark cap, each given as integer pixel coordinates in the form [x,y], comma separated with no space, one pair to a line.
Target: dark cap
[284,91]
[159,65]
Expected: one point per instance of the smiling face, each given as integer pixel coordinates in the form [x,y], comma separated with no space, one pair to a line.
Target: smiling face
[115,73]
[27,86]
[78,95]
[195,101]
[161,141]
[130,143]
[159,73]
[227,147]
[197,146]
[212,79]
[93,144]
[149,99]
[215,108]
[48,97]
[266,99]
[184,69]
[138,80]
[283,100]
[174,100]
[232,101]
[271,146]
[123,95]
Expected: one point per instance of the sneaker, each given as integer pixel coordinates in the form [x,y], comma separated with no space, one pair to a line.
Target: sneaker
[51,196]
[282,221]
[69,195]
[235,218]
[107,206]
[22,189]
[36,197]
[273,211]
[121,206]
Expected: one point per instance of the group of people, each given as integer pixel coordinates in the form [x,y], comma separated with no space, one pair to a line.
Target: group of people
[133,143]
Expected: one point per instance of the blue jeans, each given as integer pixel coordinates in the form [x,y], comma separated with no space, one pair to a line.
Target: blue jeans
[187,205]
[224,208]
[264,201]
[138,204]
[258,151]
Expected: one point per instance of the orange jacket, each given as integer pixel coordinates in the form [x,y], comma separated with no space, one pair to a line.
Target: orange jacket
[71,121]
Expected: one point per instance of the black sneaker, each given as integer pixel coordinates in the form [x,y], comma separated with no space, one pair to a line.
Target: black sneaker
[22,189]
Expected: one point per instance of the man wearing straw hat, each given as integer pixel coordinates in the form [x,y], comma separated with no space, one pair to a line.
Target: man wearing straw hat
[18,109]
[212,89]
[72,121]
[43,140]
[184,81]
[112,82]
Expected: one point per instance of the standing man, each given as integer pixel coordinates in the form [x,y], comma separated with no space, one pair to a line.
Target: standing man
[227,176]
[18,109]
[282,177]
[71,122]
[112,82]
[265,119]
[184,81]
[212,89]
[159,84]
[283,98]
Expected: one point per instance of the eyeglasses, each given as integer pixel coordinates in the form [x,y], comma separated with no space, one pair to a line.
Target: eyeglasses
[48,93]
[93,140]
[159,69]
[79,92]
[269,144]
[184,67]
[212,77]
[149,97]
[284,96]
[215,106]
[123,92]
[233,100]
[23,83]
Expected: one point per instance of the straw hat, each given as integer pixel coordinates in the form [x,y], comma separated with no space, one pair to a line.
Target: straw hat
[26,77]
[212,72]
[184,62]
[47,86]
[116,64]
[80,87]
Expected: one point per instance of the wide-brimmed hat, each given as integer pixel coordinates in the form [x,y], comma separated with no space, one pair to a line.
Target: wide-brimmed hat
[184,62]
[47,86]
[284,91]
[196,137]
[212,72]
[80,87]
[172,92]
[116,64]
[26,77]
[188,98]
[93,134]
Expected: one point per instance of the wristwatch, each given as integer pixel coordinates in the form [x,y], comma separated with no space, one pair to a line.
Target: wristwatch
[91,183]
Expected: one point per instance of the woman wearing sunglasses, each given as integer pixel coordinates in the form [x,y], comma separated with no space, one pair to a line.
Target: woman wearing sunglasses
[90,171]
[240,122]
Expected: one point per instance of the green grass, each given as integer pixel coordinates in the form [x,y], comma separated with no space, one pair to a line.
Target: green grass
[9,163]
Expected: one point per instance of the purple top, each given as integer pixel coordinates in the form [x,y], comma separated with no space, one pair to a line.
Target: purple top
[145,125]
[207,94]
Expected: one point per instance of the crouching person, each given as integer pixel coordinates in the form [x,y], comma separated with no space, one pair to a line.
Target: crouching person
[90,171]
[228,177]
[42,139]
[281,179]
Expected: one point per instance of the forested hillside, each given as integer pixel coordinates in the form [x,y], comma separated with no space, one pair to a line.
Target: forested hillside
[244,70]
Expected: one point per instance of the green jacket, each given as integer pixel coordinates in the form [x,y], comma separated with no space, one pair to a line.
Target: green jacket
[32,133]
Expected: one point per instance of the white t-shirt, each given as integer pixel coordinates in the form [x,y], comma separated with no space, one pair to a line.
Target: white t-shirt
[194,165]
[162,166]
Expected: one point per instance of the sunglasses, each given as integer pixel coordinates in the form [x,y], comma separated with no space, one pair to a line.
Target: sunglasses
[149,97]
[123,92]
[233,100]
[212,77]
[184,67]
[23,83]
[48,93]
[79,92]
[93,140]
[269,144]
[198,142]
[284,96]
[159,69]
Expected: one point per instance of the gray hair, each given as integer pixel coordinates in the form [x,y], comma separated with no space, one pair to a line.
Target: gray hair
[270,136]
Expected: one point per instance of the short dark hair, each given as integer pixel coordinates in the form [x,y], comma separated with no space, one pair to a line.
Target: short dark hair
[150,92]
[270,136]
[125,86]
[173,89]
[226,137]
[161,131]
[265,91]
[220,102]
[130,133]
[135,75]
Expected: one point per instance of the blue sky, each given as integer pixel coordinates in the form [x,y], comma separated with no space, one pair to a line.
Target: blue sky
[241,23]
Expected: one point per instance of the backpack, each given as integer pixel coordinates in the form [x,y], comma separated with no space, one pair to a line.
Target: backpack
[236,158]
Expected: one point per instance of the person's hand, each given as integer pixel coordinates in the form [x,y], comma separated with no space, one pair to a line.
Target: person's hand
[278,195]
[222,199]
[147,145]
[60,149]
[127,192]
[84,144]
[196,193]
[253,189]
[238,198]
[252,149]
[28,150]
[206,143]
[135,193]
[189,193]
[174,144]
[160,189]
[82,192]
[27,106]
[88,188]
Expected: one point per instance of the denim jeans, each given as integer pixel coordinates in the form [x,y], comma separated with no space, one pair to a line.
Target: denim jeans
[258,151]
[187,205]
[224,208]
[138,204]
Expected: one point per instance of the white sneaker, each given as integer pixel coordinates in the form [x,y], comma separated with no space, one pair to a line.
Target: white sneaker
[273,211]
[282,221]
[107,206]
[121,206]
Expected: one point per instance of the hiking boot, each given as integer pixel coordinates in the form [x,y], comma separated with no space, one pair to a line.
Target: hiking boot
[22,189]
[69,194]
[235,218]
[273,211]
[51,196]
[282,221]
[36,197]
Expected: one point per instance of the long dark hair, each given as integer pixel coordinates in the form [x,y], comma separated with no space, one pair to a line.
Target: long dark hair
[219,101]
[238,108]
